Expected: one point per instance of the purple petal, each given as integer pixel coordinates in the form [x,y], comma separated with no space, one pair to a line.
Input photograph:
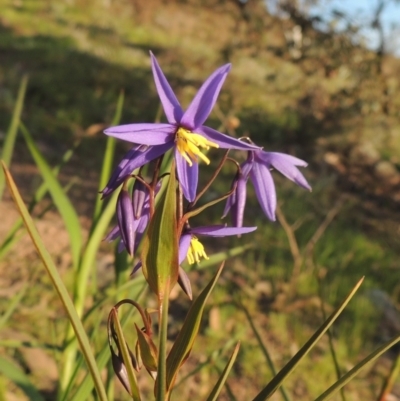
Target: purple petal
[143,133]
[230,202]
[205,98]
[172,108]
[184,244]
[139,193]
[237,212]
[285,164]
[126,220]
[136,268]
[265,189]
[237,201]
[224,141]
[135,158]
[112,235]
[140,230]
[184,282]
[221,230]
[187,176]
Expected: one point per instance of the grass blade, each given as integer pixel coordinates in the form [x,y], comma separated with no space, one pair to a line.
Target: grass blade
[58,285]
[11,135]
[264,350]
[390,380]
[108,159]
[59,197]
[86,387]
[13,305]
[39,194]
[16,375]
[274,384]
[126,358]
[221,381]
[187,335]
[353,372]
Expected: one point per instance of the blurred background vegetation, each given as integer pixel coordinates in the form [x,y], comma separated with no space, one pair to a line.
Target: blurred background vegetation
[303,83]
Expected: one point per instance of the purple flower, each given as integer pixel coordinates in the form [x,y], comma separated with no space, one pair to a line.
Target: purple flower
[193,249]
[133,216]
[125,218]
[257,167]
[184,132]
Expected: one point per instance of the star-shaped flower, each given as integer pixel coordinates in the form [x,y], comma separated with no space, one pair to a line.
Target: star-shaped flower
[257,167]
[191,248]
[184,132]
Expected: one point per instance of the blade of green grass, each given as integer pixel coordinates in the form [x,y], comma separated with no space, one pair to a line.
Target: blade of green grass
[133,384]
[187,335]
[15,374]
[58,285]
[12,306]
[274,384]
[81,282]
[86,387]
[9,142]
[353,372]
[221,381]
[108,159]
[390,380]
[264,350]
[59,197]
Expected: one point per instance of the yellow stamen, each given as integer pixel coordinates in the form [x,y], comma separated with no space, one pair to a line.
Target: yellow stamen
[188,144]
[196,251]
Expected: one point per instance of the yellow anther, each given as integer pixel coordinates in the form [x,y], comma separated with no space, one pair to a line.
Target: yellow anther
[188,144]
[195,251]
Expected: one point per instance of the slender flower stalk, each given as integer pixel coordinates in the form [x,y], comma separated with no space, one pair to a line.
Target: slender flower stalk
[184,132]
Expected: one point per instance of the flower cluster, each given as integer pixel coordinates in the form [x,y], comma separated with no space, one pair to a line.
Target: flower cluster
[188,138]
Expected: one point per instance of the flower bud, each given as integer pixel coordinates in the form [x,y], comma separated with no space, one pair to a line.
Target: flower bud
[126,220]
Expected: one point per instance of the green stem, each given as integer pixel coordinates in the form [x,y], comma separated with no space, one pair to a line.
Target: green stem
[161,383]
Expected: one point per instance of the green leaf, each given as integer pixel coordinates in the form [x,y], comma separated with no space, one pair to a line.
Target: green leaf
[126,358]
[59,197]
[187,335]
[353,372]
[86,386]
[148,350]
[9,142]
[221,381]
[12,236]
[14,373]
[108,159]
[274,384]
[58,285]
[12,306]
[264,350]
[160,244]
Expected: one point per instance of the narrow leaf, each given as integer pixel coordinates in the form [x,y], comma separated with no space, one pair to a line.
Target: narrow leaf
[187,335]
[274,384]
[126,357]
[106,166]
[58,285]
[15,374]
[264,350]
[160,244]
[59,197]
[353,372]
[9,142]
[12,306]
[161,389]
[148,350]
[221,381]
